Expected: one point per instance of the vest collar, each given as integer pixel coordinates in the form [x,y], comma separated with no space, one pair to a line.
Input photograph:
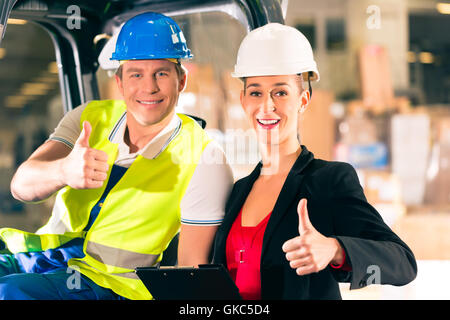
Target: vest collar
[155,146]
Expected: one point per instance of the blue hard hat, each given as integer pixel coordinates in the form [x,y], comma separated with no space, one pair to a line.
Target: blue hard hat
[151,35]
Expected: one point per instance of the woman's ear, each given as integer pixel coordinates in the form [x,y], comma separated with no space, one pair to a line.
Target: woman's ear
[304,98]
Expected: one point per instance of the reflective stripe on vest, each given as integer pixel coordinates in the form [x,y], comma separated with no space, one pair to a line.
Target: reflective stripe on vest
[119,257]
[127,275]
[22,241]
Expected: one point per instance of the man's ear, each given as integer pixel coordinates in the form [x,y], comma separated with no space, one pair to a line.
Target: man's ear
[182,83]
[305,99]
[119,84]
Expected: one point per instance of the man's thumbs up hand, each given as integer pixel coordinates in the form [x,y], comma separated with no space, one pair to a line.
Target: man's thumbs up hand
[84,167]
[310,251]
[83,139]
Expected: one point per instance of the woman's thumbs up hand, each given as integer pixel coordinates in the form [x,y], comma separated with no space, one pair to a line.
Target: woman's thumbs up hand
[310,251]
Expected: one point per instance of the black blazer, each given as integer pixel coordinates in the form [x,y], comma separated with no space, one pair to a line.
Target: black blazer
[337,208]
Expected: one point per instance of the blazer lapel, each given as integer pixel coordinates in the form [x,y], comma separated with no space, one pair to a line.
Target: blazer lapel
[288,194]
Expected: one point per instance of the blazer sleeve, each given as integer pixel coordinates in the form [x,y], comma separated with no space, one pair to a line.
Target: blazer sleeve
[376,254]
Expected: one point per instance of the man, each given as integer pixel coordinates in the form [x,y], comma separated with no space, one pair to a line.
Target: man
[127,173]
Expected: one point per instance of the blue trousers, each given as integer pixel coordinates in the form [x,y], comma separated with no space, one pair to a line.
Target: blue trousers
[18,281]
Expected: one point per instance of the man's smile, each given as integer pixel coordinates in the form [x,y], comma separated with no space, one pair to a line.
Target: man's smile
[152,102]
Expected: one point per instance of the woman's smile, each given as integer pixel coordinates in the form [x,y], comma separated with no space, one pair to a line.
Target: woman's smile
[268,124]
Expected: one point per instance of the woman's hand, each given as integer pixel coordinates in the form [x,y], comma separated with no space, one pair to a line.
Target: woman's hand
[311,251]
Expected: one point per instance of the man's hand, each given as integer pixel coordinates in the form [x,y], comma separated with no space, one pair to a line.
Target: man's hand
[310,251]
[85,167]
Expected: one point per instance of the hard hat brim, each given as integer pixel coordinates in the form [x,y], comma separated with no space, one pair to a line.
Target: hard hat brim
[269,72]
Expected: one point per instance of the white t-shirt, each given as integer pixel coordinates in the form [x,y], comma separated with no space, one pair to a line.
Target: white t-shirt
[205,197]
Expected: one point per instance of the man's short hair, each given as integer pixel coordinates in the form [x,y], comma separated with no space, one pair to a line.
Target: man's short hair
[181,71]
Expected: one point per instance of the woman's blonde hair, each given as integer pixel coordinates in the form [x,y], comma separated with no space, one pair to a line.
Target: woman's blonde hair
[299,79]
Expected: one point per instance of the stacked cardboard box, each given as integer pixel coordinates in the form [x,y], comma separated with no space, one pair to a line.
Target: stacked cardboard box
[438,171]
[383,191]
[376,84]
[317,125]
[410,145]
[364,144]
[426,227]
[361,142]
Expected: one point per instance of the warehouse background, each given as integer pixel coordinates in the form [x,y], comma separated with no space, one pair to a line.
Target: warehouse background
[382,104]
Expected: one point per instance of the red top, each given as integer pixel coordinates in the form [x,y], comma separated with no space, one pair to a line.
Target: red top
[243,250]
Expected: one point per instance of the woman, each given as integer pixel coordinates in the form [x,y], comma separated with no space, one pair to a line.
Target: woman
[296,226]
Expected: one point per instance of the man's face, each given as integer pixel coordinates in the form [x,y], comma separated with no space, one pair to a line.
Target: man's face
[150,89]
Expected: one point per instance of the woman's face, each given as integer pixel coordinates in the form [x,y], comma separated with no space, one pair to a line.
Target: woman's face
[272,104]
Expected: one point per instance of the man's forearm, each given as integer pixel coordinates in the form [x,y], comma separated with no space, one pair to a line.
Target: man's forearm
[42,174]
[36,180]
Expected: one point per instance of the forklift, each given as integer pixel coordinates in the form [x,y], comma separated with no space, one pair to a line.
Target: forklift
[83,34]
[80,29]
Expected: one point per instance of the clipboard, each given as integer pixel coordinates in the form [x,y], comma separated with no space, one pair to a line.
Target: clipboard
[207,282]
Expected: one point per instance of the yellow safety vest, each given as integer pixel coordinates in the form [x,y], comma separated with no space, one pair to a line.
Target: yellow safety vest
[140,215]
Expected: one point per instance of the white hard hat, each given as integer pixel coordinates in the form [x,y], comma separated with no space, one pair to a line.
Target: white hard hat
[105,55]
[275,49]
[104,59]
